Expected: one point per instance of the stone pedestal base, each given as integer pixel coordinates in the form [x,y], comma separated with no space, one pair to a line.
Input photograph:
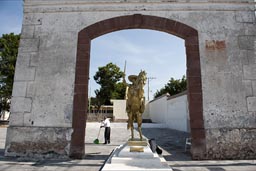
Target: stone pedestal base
[137,145]
[123,158]
[137,142]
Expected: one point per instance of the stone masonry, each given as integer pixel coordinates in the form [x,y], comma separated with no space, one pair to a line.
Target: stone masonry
[49,100]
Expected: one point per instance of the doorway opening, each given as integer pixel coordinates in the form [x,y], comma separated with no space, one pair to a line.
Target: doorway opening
[138,21]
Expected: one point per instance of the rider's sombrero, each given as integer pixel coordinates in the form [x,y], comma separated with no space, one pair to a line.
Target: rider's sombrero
[132,78]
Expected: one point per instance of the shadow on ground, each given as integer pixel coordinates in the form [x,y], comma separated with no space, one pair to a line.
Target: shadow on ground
[93,161]
[171,141]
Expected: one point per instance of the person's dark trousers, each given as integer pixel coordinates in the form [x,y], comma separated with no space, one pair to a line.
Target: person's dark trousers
[107,135]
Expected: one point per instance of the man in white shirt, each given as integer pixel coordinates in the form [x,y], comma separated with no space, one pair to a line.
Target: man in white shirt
[106,124]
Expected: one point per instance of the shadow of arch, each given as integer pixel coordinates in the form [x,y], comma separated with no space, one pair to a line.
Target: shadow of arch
[138,21]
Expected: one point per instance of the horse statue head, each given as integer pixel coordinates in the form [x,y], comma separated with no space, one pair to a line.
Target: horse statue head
[142,78]
[138,80]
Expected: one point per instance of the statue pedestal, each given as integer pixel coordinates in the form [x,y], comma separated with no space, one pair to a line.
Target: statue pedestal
[137,145]
[137,142]
[135,155]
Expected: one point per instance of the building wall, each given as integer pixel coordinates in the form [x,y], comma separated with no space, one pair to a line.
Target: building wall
[4,115]
[44,79]
[158,109]
[178,116]
[146,114]
[119,110]
[171,111]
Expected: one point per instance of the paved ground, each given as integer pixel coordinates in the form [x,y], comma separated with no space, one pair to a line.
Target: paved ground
[172,142]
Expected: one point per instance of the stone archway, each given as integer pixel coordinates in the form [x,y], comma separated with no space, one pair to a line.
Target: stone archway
[189,34]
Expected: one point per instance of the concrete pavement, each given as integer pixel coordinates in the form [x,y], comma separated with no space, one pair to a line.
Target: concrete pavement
[170,141]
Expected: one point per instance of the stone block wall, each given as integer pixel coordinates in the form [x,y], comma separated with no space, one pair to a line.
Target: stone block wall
[51,82]
[229,107]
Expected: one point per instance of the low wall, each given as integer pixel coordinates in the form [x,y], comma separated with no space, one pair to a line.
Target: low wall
[172,111]
[158,109]
[119,111]
[178,117]
[4,115]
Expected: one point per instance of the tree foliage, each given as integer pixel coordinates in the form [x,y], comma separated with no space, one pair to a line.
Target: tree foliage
[9,44]
[108,78]
[173,87]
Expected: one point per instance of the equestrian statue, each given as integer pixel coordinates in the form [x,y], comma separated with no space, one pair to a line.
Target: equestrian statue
[135,101]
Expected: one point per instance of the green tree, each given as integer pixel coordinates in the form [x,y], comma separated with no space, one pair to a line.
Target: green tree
[108,77]
[119,92]
[9,44]
[173,87]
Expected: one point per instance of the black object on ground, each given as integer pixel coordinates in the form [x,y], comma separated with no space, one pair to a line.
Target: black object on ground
[154,147]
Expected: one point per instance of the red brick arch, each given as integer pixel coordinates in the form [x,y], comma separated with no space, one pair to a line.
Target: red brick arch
[189,34]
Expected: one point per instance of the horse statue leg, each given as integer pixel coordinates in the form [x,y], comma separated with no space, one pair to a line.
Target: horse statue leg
[132,133]
[130,124]
[139,122]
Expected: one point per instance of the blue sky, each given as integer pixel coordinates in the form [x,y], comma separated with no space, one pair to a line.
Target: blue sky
[160,54]
[11,12]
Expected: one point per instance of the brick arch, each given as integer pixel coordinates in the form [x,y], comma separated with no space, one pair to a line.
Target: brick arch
[80,102]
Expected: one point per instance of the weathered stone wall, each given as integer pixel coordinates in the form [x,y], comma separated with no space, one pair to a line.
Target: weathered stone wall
[38,141]
[45,71]
[228,62]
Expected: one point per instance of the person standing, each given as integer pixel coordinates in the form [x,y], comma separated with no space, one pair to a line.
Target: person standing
[106,124]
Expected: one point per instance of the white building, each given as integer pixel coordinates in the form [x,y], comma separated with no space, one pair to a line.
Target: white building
[119,110]
[169,110]
[4,115]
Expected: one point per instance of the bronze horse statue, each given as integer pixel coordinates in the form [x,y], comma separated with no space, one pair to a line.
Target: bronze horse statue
[135,101]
